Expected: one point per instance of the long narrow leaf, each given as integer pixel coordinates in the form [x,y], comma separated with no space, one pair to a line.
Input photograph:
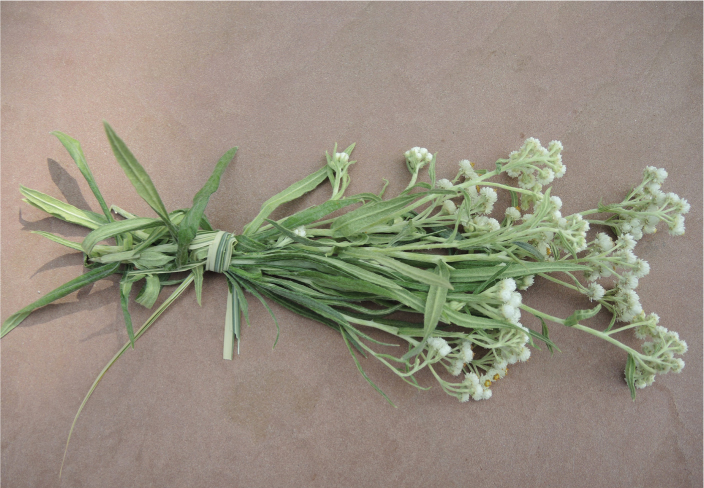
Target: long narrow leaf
[139,178]
[111,230]
[85,279]
[190,223]
[294,191]
[62,210]
[74,149]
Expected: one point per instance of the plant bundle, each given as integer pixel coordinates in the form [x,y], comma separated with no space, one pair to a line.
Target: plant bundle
[433,252]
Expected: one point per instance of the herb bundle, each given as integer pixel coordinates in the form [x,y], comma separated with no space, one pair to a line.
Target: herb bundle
[434,251]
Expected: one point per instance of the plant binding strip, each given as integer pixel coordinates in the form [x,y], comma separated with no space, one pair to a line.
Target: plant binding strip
[451,263]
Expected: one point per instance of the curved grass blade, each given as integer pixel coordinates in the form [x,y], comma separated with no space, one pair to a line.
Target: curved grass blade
[139,333]
[294,191]
[61,210]
[125,288]
[85,279]
[189,225]
[110,230]
[434,304]
[74,149]
[139,178]
[59,240]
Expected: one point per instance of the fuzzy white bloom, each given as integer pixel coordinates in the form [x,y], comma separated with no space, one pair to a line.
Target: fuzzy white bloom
[449,207]
[626,241]
[513,213]
[604,242]
[464,397]
[515,300]
[486,394]
[466,353]
[595,291]
[342,157]
[440,345]
[677,227]
[628,281]
[506,287]
[525,282]
[456,367]
[524,354]
[471,379]
[300,231]
[489,194]
[642,268]
[467,170]
[511,313]
[445,184]
[545,176]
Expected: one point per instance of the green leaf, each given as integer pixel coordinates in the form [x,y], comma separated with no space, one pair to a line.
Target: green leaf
[74,149]
[434,305]
[190,223]
[139,333]
[85,279]
[346,337]
[294,237]
[294,191]
[580,315]
[60,240]
[198,275]
[630,375]
[483,272]
[114,228]
[61,210]
[232,323]
[366,216]
[139,178]
[150,292]
[310,215]
[125,288]
[420,275]
[483,286]
[530,249]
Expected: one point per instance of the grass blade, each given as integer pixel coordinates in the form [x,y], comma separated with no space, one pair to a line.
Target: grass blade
[61,210]
[85,279]
[139,333]
[294,191]
[189,225]
[74,149]
[114,228]
[139,178]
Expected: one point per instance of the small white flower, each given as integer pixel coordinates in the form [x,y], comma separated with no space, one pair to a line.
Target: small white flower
[642,268]
[604,242]
[444,184]
[677,227]
[467,170]
[595,291]
[466,352]
[440,345]
[449,207]
[300,231]
[524,354]
[525,282]
[464,398]
[626,241]
[513,213]
[456,368]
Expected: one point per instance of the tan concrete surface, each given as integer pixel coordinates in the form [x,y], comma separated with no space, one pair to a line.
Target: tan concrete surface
[620,84]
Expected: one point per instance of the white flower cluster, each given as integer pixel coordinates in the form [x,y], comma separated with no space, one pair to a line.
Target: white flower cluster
[535,166]
[647,205]
[416,158]
[339,161]
[660,353]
